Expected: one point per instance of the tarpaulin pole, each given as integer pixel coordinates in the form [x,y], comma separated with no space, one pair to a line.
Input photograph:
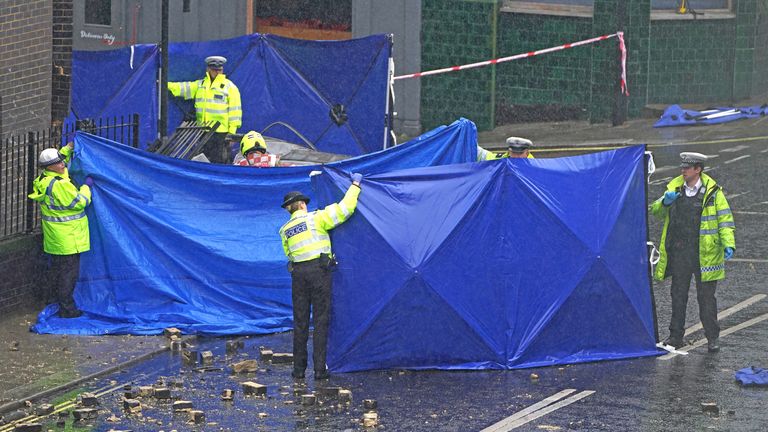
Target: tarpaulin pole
[648,239]
[390,103]
[162,121]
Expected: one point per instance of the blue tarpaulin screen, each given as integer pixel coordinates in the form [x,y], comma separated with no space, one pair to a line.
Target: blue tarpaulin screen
[196,246]
[504,264]
[675,115]
[292,81]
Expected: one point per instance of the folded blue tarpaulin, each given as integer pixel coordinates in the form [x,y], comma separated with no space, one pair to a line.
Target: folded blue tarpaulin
[280,80]
[505,264]
[675,115]
[752,376]
[196,246]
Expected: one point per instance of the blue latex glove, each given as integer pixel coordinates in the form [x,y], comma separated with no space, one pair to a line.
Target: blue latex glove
[670,197]
[357,178]
[89,181]
[728,253]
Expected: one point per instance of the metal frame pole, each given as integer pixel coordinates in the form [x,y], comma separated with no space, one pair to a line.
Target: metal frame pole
[162,121]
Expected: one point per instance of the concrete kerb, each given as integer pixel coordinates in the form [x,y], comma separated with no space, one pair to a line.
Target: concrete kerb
[572,135]
[22,402]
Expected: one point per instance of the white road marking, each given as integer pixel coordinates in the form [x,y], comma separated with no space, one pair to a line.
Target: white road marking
[737,159]
[734,149]
[726,332]
[731,196]
[499,426]
[661,180]
[666,168]
[750,260]
[730,311]
[764,151]
[542,412]
[754,213]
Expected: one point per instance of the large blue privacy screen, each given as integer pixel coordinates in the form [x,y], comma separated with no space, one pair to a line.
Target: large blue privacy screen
[196,246]
[287,80]
[445,264]
[505,264]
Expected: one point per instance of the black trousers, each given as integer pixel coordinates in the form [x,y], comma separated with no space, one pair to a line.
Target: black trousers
[64,272]
[683,265]
[310,287]
[217,150]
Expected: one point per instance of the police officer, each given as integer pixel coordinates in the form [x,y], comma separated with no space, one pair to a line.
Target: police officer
[308,246]
[516,148]
[216,99]
[65,225]
[697,238]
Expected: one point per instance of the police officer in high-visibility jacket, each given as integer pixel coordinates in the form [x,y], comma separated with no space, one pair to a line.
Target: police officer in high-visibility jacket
[65,225]
[697,238]
[216,99]
[308,246]
[516,148]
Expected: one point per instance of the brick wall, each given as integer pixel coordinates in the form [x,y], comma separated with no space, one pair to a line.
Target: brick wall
[569,84]
[22,265]
[669,61]
[760,65]
[62,58]
[25,59]
[691,61]
[552,86]
[456,32]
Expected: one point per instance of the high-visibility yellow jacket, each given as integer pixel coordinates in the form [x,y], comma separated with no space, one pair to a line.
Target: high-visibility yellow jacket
[62,204]
[305,235]
[716,230]
[484,155]
[214,101]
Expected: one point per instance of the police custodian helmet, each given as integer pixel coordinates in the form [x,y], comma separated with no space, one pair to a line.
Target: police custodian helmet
[292,197]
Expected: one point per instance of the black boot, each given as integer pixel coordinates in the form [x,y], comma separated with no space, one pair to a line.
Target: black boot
[713,345]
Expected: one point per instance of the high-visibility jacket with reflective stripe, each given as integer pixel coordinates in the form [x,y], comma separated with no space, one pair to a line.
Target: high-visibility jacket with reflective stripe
[62,204]
[484,155]
[214,101]
[305,235]
[716,230]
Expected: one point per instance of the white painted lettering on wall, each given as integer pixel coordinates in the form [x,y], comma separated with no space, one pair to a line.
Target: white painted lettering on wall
[107,38]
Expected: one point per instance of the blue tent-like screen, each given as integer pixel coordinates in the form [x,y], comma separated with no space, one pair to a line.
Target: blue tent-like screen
[296,82]
[196,246]
[505,264]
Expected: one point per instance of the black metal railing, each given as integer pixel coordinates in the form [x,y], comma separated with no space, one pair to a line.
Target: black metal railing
[18,165]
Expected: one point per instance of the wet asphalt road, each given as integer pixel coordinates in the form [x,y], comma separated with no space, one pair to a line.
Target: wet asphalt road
[649,394]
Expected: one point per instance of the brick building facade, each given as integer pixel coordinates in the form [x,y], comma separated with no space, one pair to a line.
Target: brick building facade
[25,59]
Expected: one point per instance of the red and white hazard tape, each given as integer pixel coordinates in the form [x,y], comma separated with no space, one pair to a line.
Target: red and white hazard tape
[619,35]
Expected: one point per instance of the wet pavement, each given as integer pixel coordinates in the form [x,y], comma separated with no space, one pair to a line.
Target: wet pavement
[649,394]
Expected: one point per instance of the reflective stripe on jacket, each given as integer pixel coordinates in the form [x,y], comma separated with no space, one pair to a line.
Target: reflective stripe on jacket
[484,155]
[305,235]
[716,230]
[217,101]
[62,204]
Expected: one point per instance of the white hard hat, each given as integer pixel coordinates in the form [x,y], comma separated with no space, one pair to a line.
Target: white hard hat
[49,157]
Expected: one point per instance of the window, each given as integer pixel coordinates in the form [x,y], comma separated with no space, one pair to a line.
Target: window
[98,12]
[691,4]
[693,9]
[578,8]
